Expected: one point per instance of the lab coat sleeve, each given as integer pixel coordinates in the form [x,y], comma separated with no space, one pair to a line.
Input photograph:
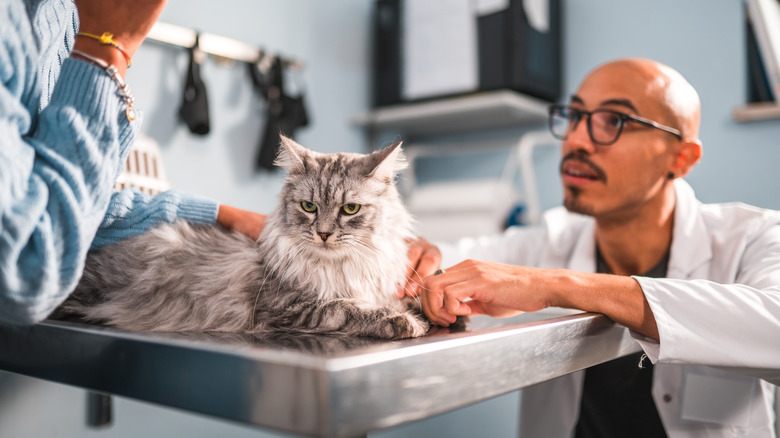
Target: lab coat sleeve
[733,325]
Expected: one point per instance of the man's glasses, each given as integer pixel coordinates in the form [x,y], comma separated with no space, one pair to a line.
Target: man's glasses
[604,126]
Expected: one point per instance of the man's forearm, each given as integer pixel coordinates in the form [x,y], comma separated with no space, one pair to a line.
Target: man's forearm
[619,298]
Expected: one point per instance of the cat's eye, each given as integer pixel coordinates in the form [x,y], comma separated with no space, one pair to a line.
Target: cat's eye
[308,206]
[351,208]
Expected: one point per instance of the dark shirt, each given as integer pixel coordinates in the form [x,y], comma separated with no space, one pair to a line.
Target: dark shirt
[616,398]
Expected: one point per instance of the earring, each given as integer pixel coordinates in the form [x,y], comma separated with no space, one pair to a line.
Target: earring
[671,175]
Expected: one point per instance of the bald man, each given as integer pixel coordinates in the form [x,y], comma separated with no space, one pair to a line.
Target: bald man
[698,285]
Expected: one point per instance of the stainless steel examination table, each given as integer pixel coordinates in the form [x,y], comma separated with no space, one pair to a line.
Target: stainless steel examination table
[316,385]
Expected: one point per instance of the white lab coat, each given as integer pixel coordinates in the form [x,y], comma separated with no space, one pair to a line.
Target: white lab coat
[718,306]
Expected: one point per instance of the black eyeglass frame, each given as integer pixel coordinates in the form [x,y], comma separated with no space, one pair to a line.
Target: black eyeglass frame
[622,116]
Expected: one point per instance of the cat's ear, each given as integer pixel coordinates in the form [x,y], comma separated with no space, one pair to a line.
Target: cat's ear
[291,154]
[388,162]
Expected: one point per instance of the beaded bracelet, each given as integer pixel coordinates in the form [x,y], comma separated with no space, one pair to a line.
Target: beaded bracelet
[113,72]
[108,39]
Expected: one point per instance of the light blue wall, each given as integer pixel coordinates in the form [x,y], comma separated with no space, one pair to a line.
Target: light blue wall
[333,39]
[330,37]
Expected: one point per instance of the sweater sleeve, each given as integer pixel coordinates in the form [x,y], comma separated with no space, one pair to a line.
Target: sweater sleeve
[131,212]
[56,175]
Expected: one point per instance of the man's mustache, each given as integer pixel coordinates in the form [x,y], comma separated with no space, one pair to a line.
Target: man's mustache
[583,158]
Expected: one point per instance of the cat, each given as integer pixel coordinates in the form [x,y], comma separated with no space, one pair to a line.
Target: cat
[330,259]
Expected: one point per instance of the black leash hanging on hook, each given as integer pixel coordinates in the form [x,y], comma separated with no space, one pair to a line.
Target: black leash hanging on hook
[284,115]
[194,109]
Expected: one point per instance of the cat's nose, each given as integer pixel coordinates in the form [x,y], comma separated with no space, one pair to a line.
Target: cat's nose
[324,236]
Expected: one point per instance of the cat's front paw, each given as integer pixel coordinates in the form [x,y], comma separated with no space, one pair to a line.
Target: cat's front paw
[404,325]
[460,324]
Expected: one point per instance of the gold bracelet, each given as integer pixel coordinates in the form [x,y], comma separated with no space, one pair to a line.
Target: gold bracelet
[108,39]
[113,72]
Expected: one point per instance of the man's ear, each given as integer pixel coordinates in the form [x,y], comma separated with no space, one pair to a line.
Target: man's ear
[687,157]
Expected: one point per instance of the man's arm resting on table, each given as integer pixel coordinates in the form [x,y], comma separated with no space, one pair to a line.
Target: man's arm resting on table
[496,289]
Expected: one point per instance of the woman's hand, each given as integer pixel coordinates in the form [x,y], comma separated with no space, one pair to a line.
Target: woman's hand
[243,221]
[128,21]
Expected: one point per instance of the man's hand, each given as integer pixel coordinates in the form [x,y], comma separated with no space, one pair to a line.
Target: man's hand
[243,221]
[424,260]
[480,288]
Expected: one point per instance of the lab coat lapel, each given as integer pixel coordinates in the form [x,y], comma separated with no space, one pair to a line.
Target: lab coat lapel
[690,252]
[583,257]
[691,249]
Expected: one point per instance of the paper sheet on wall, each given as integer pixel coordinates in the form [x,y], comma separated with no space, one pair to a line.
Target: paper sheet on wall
[538,13]
[765,16]
[439,48]
[487,7]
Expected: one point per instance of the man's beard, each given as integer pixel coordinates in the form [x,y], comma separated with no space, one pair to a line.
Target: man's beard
[574,204]
[572,201]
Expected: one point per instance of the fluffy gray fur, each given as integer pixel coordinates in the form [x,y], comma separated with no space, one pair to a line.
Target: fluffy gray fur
[184,277]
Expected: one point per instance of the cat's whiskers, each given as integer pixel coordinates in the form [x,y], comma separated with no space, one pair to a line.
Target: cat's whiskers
[407,286]
[284,262]
[257,299]
[285,259]
[416,298]
[368,246]
[418,280]
[359,250]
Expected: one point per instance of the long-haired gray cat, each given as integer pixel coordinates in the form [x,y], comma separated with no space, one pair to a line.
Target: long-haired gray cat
[330,259]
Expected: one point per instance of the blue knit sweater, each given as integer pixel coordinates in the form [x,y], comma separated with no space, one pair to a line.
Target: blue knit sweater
[63,139]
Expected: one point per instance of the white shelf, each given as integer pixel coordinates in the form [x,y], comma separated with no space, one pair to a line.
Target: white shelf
[474,112]
[484,110]
[755,112]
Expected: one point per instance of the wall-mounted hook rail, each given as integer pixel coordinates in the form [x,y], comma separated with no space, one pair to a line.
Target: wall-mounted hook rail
[216,45]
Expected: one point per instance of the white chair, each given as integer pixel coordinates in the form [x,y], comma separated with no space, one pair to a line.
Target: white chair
[144,168]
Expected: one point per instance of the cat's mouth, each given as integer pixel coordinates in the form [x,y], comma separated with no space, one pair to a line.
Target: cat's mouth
[326,241]
[329,250]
